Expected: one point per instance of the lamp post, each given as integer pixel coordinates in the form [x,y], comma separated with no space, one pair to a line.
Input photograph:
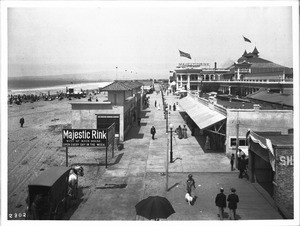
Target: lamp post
[171,156]
[171,146]
[166,116]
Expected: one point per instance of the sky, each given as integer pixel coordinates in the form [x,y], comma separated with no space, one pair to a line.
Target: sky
[141,42]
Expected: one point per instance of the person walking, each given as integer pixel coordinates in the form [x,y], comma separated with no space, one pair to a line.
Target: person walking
[139,121]
[155,103]
[179,132]
[184,131]
[22,121]
[232,199]
[190,185]
[153,131]
[220,201]
[174,107]
[239,156]
[242,166]
[232,161]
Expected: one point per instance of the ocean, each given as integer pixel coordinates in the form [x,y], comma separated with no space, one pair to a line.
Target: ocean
[36,85]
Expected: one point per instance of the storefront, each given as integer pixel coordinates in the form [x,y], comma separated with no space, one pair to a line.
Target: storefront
[271,166]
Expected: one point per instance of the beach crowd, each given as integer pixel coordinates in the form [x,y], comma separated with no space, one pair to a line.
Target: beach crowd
[59,95]
[23,98]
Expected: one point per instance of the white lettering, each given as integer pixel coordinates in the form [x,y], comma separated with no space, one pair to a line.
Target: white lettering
[289,160]
[286,160]
[94,134]
[282,160]
[65,134]
[70,136]
[103,135]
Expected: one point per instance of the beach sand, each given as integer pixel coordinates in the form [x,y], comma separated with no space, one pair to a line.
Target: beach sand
[38,146]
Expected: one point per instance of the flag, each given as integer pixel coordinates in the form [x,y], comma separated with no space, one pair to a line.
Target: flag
[246,39]
[183,54]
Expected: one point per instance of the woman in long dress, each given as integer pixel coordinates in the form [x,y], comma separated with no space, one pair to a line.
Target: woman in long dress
[184,131]
[179,132]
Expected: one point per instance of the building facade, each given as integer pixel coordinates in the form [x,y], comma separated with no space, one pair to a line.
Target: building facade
[190,76]
[246,76]
[251,67]
[123,106]
[271,164]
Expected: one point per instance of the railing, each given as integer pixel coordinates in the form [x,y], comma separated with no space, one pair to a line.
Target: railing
[251,81]
[218,108]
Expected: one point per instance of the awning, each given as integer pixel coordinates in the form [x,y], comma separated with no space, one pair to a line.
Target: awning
[244,150]
[262,147]
[201,114]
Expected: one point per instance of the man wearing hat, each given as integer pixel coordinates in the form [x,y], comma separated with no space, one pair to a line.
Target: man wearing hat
[232,199]
[221,202]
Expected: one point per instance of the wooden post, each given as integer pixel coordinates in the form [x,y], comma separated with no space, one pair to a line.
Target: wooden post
[237,140]
[113,148]
[106,156]
[167,164]
[66,156]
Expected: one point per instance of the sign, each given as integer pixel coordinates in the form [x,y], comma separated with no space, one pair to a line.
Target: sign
[286,160]
[84,137]
[185,65]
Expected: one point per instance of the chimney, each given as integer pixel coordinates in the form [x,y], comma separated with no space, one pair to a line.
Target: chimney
[215,65]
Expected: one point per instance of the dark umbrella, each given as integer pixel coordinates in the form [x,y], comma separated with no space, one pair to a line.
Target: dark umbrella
[154,207]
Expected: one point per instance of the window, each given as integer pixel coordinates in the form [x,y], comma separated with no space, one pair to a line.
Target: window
[194,77]
[242,142]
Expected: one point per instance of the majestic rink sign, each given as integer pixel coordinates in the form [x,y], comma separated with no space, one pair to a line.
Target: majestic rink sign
[84,138]
[89,138]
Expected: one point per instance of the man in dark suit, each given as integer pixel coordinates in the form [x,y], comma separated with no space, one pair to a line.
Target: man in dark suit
[232,199]
[153,131]
[22,121]
[221,202]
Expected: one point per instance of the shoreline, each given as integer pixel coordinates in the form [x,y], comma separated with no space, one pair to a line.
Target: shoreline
[60,88]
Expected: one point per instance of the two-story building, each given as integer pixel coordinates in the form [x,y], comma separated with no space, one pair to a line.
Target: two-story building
[251,67]
[189,76]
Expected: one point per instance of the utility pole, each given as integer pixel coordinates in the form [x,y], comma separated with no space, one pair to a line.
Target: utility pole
[167,165]
[237,138]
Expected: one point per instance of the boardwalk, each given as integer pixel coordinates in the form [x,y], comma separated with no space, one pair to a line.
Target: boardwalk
[142,168]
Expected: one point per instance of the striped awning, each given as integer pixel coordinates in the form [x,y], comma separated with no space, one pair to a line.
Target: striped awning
[262,147]
[201,114]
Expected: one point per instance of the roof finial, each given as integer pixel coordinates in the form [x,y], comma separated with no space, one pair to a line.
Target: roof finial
[255,52]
